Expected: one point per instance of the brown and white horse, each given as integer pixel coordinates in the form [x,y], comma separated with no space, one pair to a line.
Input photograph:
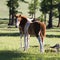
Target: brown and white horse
[26,27]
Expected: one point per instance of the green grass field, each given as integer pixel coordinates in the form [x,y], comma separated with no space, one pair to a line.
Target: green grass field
[10,44]
[10,40]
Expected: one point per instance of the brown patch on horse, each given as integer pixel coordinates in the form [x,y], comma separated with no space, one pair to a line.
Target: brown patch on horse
[31,29]
[36,27]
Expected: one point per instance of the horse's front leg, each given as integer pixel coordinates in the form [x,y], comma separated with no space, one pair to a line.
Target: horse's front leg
[21,35]
[25,41]
[28,36]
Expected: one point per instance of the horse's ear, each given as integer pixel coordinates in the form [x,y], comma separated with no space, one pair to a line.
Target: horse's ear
[19,15]
[16,16]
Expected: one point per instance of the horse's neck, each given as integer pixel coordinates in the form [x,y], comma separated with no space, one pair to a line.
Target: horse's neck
[23,22]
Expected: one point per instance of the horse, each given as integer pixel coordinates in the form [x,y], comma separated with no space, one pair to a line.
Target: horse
[27,27]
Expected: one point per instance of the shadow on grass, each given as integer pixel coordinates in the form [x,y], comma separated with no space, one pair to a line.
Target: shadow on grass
[11,55]
[15,55]
[8,55]
[3,18]
[51,36]
[34,46]
[9,34]
[53,31]
[17,34]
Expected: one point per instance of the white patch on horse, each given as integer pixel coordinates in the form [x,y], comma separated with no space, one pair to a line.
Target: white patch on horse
[30,20]
[18,22]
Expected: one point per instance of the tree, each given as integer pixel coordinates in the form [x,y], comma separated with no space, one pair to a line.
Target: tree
[59,14]
[57,6]
[50,14]
[47,6]
[44,9]
[31,10]
[33,6]
[12,5]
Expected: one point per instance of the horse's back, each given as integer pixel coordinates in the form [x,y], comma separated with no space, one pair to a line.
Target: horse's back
[37,26]
[34,28]
[31,29]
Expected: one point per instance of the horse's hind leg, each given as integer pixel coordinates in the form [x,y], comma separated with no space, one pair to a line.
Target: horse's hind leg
[41,44]
[28,41]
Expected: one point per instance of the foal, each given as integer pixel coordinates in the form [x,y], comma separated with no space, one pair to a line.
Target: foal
[36,28]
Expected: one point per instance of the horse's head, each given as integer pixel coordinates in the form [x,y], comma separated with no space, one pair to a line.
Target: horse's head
[21,20]
[18,19]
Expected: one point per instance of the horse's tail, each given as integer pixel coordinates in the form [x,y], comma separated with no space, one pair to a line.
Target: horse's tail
[43,29]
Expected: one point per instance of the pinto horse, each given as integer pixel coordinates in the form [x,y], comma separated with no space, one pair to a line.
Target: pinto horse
[26,27]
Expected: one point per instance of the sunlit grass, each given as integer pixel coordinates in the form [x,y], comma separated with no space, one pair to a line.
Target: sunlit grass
[10,44]
[9,38]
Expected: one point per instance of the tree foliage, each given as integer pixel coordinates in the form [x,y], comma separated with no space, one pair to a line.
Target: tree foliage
[33,6]
[48,6]
[12,5]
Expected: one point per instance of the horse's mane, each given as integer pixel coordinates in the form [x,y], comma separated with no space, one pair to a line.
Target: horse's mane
[19,15]
[23,16]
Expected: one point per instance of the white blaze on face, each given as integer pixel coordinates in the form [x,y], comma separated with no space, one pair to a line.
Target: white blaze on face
[18,22]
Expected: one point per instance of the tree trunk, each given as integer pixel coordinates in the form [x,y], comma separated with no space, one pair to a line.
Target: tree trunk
[45,18]
[50,16]
[34,12]
[50,20]
[10,19]
[13,16]
[59,23]
[32,16]
[59,17]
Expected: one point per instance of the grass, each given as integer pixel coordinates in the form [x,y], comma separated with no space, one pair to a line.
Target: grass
[11,55]
[10,44]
